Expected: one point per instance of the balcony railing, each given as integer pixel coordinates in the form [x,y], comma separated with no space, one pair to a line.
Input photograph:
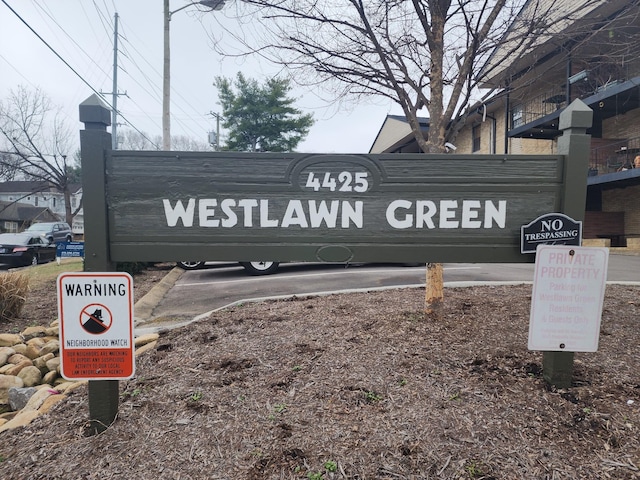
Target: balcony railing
[533,108]
[612,157]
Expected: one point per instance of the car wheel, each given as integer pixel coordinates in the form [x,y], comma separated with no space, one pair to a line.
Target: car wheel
[190,265]
[260,268]
[68,239]
[34,260]
[50,240]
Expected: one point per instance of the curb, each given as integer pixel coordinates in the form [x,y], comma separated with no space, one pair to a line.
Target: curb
[144,307]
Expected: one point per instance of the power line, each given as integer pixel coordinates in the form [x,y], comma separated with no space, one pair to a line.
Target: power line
[90,57]
[70,67]
[193,115]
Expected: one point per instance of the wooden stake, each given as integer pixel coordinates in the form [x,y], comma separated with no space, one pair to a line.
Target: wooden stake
[434,290]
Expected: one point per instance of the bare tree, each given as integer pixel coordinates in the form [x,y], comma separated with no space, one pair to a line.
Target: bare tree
[129,139]
[35,144]
[185,143]
[421,54]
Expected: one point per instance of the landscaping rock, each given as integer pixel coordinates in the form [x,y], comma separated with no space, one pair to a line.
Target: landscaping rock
[52,346]
[7,382]
[20,420]
[5,353]
[53,365]
[18,397]
[16,369]
[41,362]
[30,376]
[50,401]
[50,377]
[18,358]
[9,339]
[33,332]
[38,398]
[145,339]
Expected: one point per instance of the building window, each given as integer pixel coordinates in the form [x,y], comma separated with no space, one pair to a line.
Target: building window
[476,139]
[11,227]
[54,202]
[36,204]
[517,116]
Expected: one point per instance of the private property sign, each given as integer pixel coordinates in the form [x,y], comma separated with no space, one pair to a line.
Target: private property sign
[96,325]
[566,302]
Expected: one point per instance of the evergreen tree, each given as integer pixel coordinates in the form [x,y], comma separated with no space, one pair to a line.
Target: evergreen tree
[260,118]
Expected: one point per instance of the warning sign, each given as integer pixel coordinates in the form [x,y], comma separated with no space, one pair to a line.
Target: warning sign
[96,325]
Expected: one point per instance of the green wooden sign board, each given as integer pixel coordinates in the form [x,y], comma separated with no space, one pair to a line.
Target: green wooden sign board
[335,208]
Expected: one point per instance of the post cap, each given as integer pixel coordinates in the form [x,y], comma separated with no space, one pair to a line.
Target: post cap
[576,115]
[94,113]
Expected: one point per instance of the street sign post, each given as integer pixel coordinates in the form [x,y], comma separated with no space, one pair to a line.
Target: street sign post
[96,325]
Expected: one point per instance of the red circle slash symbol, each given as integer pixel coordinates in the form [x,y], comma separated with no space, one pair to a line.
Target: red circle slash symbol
[95,318]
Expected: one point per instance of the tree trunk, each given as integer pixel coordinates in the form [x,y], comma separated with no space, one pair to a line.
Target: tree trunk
[68,214]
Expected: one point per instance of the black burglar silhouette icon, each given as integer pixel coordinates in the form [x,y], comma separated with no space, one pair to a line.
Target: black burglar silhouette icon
[95,323]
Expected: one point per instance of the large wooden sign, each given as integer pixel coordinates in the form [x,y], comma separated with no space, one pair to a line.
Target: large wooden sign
[338,208]
[164,206]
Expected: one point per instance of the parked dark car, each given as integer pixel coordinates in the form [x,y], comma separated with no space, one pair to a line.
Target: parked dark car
[53,232]
[20,249]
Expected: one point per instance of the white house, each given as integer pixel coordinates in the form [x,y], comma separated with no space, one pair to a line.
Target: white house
[43,194]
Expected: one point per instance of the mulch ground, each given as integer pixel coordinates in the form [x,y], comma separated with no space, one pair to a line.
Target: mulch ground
[357,386]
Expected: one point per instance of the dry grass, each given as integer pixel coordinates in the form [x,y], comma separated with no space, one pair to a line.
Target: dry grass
[14,287]
[48,272]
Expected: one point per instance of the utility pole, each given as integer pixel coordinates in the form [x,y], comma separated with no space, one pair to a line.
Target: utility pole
[212,5]
[166,81]
[114,90]
[217,117]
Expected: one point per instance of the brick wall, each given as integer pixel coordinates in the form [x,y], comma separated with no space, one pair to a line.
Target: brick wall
[625,200]
[626,125]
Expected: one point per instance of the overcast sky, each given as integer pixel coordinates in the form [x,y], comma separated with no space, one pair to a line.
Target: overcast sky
[81,32]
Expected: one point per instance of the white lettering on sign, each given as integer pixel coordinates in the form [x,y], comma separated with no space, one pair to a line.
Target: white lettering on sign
[399,214]
[344,182]
[228,213]
[405,214]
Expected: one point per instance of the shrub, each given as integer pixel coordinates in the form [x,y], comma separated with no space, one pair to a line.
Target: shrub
[132,268]
[13,293]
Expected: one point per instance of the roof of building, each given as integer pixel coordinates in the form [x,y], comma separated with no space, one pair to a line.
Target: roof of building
[23,212]
[395,133]
[34,186]
[562,22]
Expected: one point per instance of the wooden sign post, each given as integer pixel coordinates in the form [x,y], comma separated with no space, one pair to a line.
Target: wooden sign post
[104,395]
[574,144]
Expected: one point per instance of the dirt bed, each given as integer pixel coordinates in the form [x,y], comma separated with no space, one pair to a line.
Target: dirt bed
[357,386]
